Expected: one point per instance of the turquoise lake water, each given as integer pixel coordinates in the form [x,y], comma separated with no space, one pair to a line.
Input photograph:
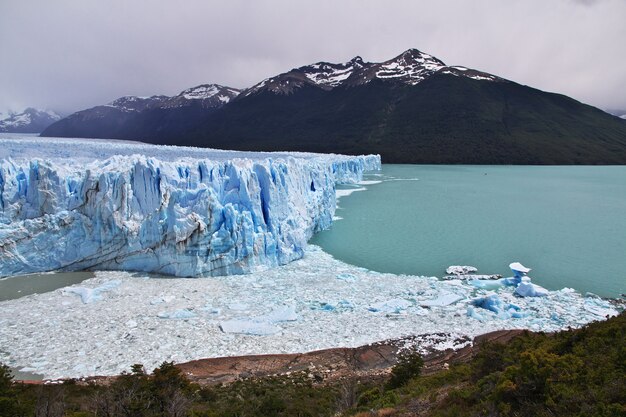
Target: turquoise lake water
[566,223]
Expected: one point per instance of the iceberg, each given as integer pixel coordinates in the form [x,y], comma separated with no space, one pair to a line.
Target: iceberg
[467,272]
[461,269]
[181,314]
[528,289]
[393,306]
[443,299]
[249,327]
[186,212]
[90,295]
[492,302]
[519,269]
[262,325]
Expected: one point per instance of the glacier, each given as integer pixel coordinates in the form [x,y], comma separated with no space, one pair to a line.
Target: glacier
[67,199]
[68,205]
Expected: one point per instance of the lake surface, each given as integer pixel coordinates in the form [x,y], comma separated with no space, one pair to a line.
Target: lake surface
[566,223]
[20,286]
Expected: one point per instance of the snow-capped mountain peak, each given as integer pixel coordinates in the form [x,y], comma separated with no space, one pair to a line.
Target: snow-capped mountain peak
[134,103]
[207,95]
[31,120]
[327,75]
[410,67]
[206,91]
[357,61]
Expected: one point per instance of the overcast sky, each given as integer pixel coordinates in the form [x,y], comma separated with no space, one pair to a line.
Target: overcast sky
[69,55]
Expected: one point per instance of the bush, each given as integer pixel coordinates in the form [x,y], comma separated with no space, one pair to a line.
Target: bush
[409,366]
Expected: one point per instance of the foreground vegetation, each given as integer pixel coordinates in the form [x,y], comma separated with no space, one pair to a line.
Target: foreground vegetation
[573,373]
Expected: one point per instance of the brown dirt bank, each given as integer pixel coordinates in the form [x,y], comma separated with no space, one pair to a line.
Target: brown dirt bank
[331,364]
[369,361]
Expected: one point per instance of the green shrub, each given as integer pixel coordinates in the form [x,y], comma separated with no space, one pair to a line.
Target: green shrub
[409,366]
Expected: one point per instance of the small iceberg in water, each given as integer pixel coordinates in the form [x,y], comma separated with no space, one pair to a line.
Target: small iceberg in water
[466,272]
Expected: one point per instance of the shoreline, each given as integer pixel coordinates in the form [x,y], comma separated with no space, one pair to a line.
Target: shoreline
[371,360]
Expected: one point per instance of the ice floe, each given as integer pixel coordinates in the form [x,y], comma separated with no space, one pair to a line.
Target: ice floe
[298,307]
[89,295]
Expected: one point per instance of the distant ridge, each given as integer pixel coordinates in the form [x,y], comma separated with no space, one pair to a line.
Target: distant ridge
[31,120]
[410,109]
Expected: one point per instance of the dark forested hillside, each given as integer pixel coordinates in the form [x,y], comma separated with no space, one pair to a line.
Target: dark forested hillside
[444,119]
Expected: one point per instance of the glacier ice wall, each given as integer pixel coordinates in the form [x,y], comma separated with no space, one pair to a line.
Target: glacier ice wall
[184,217]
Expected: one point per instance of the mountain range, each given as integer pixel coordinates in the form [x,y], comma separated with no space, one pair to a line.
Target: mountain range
[31,120]
[410,109]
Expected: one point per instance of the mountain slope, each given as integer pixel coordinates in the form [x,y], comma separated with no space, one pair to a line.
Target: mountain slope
[444,119]
[31,120]
[410,109]
[133,117]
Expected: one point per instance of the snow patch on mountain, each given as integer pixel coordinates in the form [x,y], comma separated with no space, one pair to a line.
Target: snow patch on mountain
[208,95]
[206,91]
[31,120]
[411,67]
[135,103]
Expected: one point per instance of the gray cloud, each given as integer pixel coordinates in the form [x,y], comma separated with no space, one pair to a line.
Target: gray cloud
[72,54]
[586,2]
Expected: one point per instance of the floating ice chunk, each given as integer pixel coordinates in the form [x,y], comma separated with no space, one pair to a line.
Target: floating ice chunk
[341,305]
[238,306]
[90,295]
[260,325]
[516,266]
[492,302]
[393,306]
[528,289]
[460,269]
[489,285]
[347,192]
[248,326]
[518,269]
[471,312]
[182,314]
[210,309]
[163,299]
[346,277]
[323,306]
[494,284]
[468,277]
[599,307]
[281,314]
[444,299]
[516,314]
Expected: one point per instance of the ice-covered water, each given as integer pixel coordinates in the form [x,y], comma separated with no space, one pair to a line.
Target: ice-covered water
[313,303]
[20,286]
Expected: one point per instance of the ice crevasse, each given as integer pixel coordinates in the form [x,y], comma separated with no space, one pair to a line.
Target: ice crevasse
[184,217]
